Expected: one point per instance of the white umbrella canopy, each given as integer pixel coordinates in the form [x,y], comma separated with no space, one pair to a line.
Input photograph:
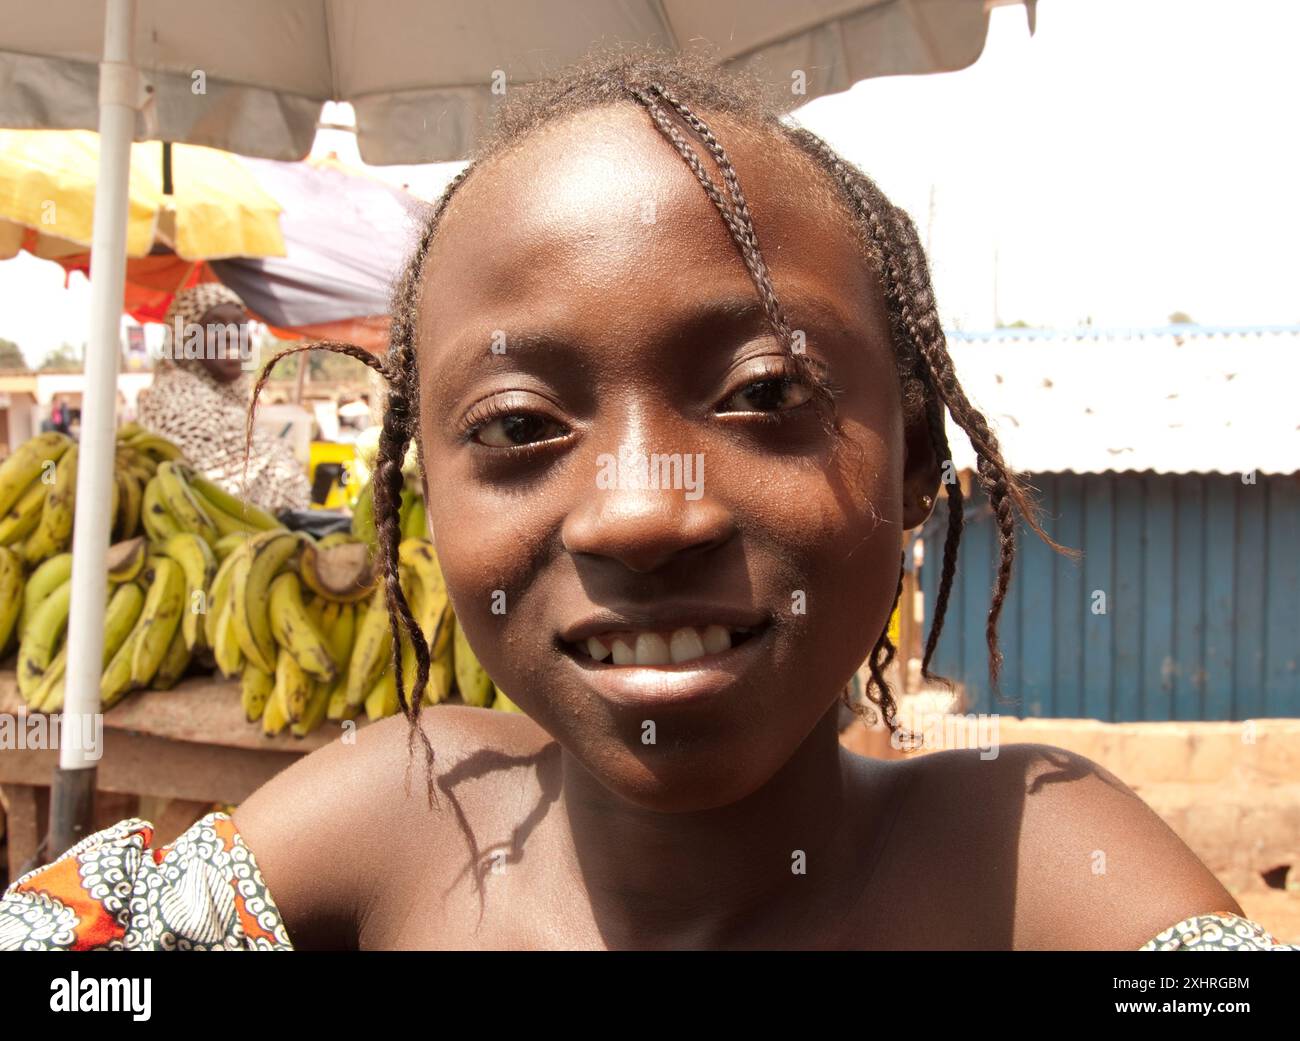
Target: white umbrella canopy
[251,76]
[423,75]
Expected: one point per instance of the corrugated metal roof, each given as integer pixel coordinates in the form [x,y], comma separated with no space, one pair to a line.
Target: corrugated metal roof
[1176,400]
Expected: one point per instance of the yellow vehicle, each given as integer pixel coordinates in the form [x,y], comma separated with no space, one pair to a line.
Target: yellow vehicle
[335,477]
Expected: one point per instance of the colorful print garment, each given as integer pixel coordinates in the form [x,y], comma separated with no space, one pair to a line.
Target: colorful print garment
[111,891]
[204,892]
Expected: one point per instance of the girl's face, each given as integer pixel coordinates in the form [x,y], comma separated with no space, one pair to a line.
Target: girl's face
[584,304]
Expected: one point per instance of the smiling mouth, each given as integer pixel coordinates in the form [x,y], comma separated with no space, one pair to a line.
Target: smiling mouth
[680,647]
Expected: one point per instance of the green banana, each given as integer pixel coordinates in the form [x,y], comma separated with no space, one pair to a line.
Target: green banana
[44,631]
[244,514]
[175,660]
[27,464]
[40,584]
[183,504]
[363,516]
[371,648]
[54,531]
[155,446]
[11,596]
[24,515]
[199,564]
[159,619]
[219,591]
[157,520]
[296,633]
[267,553]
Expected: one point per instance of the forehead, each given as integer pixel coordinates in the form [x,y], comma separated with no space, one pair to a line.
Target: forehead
[598,219]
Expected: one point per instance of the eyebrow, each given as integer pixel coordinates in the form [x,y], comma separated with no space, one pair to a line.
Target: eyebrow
[737,313]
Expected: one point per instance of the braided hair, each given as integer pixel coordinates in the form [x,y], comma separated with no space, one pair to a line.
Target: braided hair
[674,90]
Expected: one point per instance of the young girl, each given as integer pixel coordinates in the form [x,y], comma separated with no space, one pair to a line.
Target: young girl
[644,264]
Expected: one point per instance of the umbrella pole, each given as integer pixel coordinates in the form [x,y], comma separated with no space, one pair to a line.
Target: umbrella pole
[81,730]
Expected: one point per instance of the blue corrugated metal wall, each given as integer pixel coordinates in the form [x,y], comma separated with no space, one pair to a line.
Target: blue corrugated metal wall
[1201,575]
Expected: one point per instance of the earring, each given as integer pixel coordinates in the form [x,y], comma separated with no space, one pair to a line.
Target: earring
[926,502]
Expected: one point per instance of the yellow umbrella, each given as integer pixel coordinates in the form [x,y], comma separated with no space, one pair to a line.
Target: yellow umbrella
[47,199]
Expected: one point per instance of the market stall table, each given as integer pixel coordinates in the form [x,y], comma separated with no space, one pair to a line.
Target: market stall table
[178,750]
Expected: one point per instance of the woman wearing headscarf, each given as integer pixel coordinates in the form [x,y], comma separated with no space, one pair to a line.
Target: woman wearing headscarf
[199,400]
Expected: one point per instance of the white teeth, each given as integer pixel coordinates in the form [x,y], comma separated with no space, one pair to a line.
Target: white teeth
[686,644]
[651,649]
[716,639]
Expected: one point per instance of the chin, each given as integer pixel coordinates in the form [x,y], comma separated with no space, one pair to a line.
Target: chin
[684,780]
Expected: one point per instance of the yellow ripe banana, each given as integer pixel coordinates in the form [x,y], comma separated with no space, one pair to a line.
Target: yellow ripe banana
[475,684]
[255,688]
[225,642]
[296,633]
[502,703]
[176,659]
[126,560]
[335,538]
[130,500]
[183,504]
[11,596]
[157,520]
[274,717]
[44,631]
[128,430]
[123,611]
[243,515]
[159,619]
[415,521]
[338,707]
[292,687]
[155,446]
[219,592]
[48,696]
[27,464]
[54,531]
[340,631]
[250,586]
[370,650]
[227,544]
[40,584]
[199,564]
[314,713]
[381,699]
[115,682]
[24,515]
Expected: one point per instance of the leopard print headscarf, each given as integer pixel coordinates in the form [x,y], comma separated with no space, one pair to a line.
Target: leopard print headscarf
[205,418]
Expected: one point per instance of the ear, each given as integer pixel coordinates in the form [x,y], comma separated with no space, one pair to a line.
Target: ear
[921,473]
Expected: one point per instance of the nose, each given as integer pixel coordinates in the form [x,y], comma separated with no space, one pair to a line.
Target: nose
[643,527]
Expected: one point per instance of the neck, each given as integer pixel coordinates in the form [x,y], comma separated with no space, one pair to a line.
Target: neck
[701,878]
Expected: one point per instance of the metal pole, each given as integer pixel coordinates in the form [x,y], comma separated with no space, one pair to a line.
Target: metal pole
[80,745]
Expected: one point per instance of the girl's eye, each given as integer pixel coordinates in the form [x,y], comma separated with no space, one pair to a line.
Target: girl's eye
[516,429]
[775,393]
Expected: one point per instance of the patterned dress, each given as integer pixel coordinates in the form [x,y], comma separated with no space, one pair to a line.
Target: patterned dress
[204,892]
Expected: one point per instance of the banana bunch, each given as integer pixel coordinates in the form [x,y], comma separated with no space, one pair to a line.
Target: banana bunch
[38,487]
[177,499]
[144,642]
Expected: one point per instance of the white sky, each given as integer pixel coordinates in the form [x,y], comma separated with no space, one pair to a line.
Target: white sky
[1135,157]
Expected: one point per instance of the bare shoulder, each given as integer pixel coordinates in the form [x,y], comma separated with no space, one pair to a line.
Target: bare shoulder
[333,829]
[1059,852]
